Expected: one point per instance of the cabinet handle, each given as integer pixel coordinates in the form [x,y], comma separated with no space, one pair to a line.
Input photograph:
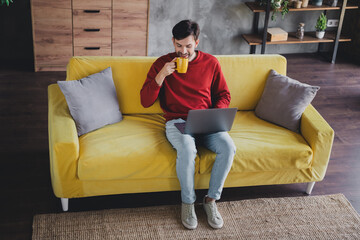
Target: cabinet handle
[92,29]
[92,48]
[91,11]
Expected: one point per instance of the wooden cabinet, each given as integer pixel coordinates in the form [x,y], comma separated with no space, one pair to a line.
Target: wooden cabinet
[66,28]
[52,34]
[257,38]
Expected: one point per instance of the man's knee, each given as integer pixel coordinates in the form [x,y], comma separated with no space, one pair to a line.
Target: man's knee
[187,152]
[227,146]
[231,147]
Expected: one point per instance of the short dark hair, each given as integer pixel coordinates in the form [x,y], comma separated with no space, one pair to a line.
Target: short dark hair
[186,28]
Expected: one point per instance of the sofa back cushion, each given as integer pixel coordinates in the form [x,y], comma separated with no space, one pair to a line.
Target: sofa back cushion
[245,75]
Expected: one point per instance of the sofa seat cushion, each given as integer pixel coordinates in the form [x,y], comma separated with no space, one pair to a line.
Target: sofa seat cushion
[261,146]
[135,148]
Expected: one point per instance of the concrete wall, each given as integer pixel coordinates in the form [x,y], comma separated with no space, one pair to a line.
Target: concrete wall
[221,23]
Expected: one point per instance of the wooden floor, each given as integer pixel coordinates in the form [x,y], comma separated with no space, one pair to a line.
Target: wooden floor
[24,171]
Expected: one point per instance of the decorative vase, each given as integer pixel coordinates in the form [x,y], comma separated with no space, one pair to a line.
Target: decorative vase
[320,34]
[332,3]
[317,2]
[298,4]
[300,31]
[305,3]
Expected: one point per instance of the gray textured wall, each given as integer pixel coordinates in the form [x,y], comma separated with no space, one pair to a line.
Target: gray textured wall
[221,22]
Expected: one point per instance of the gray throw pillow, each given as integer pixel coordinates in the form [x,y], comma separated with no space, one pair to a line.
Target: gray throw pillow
[284,100]
[92,101]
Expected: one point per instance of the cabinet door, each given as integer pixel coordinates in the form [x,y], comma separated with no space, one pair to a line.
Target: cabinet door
[52,34]
[130,21]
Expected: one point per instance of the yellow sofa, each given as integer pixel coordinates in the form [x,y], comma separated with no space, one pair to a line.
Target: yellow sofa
[134,156]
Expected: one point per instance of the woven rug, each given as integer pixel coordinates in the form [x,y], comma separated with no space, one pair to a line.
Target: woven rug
[310,217]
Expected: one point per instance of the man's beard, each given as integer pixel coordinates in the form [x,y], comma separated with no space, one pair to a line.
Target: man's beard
[187,55]
[183,55]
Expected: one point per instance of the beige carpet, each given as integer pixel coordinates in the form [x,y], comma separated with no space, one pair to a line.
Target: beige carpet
[309,217]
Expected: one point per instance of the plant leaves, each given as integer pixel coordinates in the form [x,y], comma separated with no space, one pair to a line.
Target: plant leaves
[7,2]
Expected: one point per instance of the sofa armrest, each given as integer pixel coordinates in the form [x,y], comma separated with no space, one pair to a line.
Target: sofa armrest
[320,136]
[63,144]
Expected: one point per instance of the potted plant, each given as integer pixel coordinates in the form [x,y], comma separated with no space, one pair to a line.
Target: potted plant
[277,6]
[5,1]
[321,26]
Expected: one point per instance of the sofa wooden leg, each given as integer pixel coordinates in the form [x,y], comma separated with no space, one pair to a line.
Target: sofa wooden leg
[310,187]
[65,204]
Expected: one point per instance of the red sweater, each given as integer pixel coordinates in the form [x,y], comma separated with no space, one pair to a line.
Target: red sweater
[202,86]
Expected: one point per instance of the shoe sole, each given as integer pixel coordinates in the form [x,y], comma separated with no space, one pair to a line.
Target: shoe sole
[188,226]
[215,226]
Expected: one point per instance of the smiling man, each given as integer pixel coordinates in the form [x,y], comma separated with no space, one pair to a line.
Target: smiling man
[203,86]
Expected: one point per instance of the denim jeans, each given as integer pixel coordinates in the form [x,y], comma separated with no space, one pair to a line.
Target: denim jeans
[185,145]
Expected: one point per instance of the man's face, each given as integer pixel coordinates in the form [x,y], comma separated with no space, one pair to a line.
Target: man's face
[186,47]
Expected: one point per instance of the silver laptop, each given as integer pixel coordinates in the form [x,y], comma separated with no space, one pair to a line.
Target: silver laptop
[208,121]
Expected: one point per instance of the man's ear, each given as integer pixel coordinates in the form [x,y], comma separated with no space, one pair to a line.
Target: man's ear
[197,43]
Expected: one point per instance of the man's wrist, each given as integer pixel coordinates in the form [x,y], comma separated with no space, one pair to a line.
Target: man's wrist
[159,79]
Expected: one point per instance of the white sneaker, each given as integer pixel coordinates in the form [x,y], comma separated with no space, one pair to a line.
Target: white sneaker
[188,216]
[213,216]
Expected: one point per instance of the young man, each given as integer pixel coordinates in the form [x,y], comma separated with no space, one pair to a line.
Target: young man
[203,86]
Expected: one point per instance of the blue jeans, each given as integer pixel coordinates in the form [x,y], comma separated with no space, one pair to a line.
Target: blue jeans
[185,145]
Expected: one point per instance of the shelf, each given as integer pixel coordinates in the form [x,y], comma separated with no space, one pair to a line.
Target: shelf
[257,38]
[255,7]
[309,37]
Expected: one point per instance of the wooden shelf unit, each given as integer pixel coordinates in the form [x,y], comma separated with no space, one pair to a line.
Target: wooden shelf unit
[255,7]
[257,38]
[309,37]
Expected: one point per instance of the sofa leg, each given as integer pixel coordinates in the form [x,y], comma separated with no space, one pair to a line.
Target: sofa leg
[65,204]
[310,187]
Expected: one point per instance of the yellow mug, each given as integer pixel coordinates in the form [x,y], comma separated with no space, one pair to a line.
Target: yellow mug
[182,64]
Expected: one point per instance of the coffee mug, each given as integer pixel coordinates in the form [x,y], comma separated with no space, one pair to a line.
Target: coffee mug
[182,64]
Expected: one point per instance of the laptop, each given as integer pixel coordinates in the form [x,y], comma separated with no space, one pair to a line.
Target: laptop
[208,121]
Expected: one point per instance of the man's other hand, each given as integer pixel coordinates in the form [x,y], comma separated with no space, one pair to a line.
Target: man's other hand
[168,69]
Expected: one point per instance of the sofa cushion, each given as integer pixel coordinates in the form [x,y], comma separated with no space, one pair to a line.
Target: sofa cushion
[262,146]
[135,148]
[246,76]
[92,101]
[284,100]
